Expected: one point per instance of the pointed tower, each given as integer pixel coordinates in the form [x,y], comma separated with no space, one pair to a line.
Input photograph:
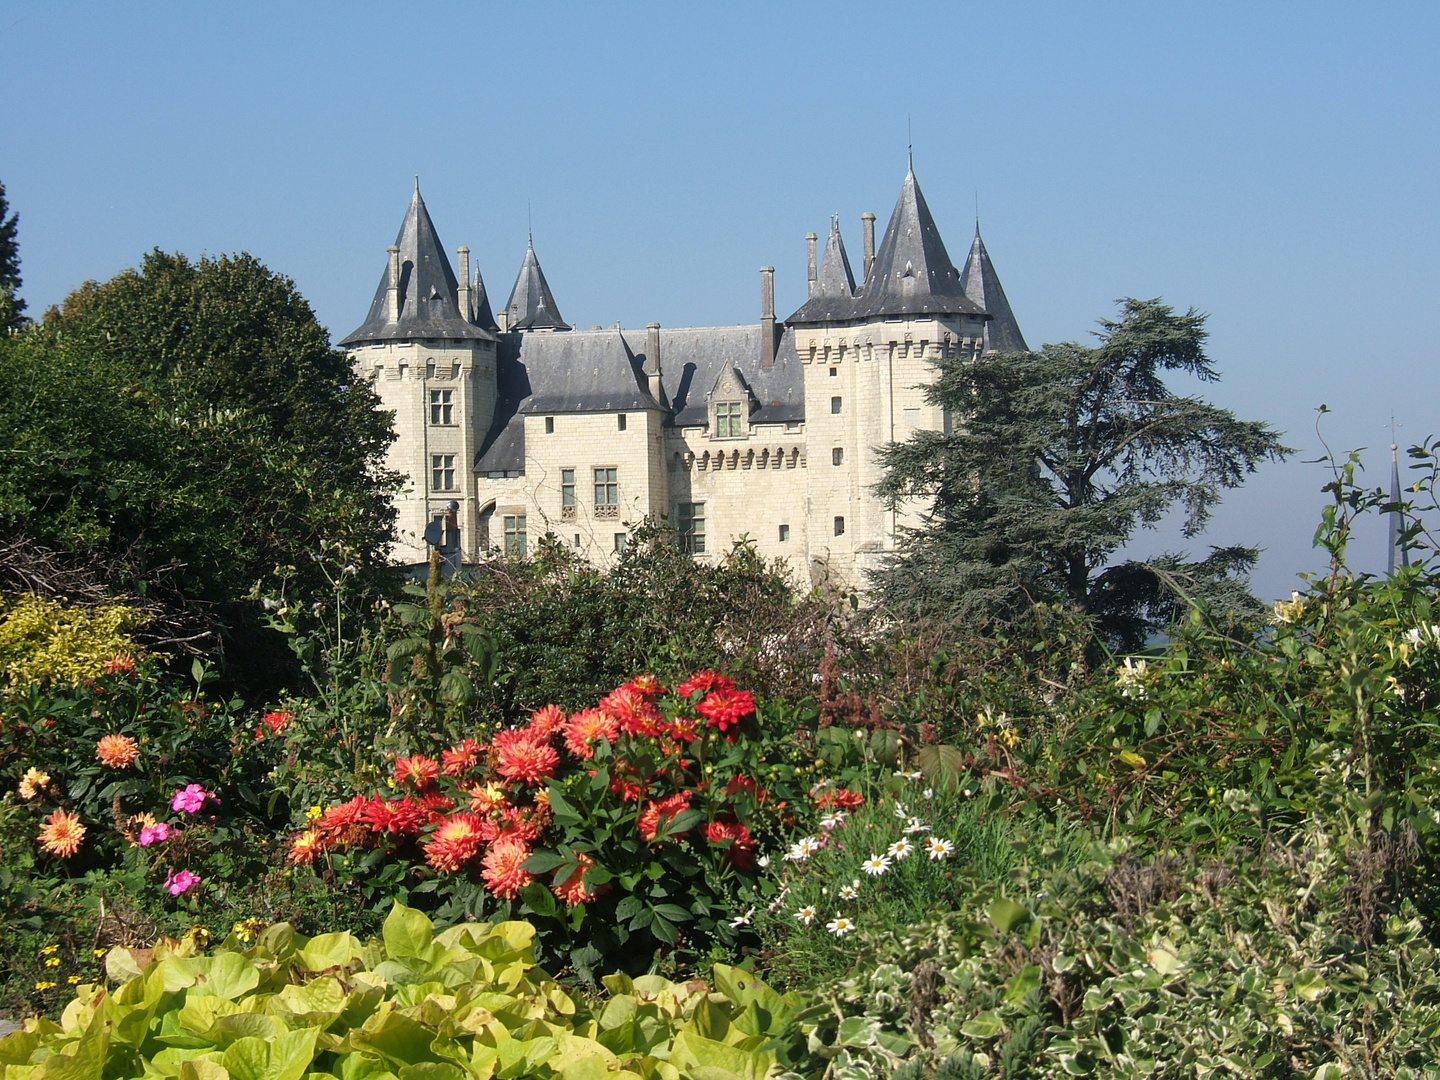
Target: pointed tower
[981,284]
[834,296]
[532,305]
[429,347]
[1397,551]
[912,273]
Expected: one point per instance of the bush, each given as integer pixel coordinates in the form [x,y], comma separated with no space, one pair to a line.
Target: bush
[42,639]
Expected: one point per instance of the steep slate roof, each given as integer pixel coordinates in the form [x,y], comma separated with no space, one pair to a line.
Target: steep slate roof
[602,371]
[912,272]
[834,297]
[429,306]
[532,305]
[982,285]
[480,313]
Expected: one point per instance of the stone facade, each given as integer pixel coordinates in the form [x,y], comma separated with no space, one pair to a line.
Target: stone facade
[766,432]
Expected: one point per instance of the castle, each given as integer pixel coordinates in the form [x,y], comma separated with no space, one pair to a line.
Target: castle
[764,431]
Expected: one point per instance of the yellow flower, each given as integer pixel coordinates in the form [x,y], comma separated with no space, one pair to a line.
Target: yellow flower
[97,953]
[73,980]
[44,984]
[49,950]
[33,782]
[54,961]
[314,812]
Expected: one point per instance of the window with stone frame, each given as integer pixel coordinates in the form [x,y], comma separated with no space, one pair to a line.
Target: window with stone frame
[442,472]
[567,493]
[515,538]
[607,492]
[729,419]
[442,408]
[692,528]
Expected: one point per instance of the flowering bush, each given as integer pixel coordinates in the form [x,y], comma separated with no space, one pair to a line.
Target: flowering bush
[622,829]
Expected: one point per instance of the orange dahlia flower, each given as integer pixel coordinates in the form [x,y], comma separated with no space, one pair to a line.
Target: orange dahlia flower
[724,709]
[457,841]
[305,846]
[547,721]
[117,751]
[703,682]
[585,728]
[461,759]
[525,760]
[571,889]
[487,797]
[634,711]
[417,769]
[666,809]
[61,834]
[503,874]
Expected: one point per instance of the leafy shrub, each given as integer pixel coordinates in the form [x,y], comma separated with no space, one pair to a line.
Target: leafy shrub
[272,1003]
[1123,967]
[42,639]
[622,830]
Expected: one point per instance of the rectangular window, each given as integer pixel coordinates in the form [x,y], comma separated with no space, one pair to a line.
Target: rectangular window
[728,420]
[839,526]
[837,456]
[912,419]
[835,405]
[834,371]
[442,472]
[515,535]
[441,407]
[784,533]
[619,543]
[607,487]
[692,528]
[567,487]
[621,418]
[549,425]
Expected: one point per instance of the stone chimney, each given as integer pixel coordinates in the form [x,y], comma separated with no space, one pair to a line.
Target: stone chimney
[810,239]
[652,359]
[462,292]
[392,287]
[869,225]
[767,316]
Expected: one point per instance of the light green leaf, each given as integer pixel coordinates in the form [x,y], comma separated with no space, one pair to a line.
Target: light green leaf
[985,1026]
[407,932]
[1006,915]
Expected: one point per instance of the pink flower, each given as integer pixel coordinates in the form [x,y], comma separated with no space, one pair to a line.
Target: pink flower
[182,882]
[153,834]
[190,799]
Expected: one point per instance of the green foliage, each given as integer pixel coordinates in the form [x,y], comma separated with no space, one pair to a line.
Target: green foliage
[1122,967]
[467,1003]
[1055,459]
[11,306]
[45,639]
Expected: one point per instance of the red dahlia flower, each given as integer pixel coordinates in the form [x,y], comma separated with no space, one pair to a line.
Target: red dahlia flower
[702,682]
[461,760]
[634,712]
[585,728]
[667,809]
[572,889]
[547,721]
[525,759]
[503,874]
[725,709]
[418,770]
[741,845]
[457,841]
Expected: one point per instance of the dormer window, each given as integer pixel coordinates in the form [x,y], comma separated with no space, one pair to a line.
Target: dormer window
[729,418]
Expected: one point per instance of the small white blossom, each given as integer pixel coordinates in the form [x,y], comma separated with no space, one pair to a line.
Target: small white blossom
[850,892]
[829,821]
[763,862]
[802,849]
[900,848]
[742,920]
[875,865]
[1130,678]
[914,825]
[840,926]
[907,774]
[937,848]
[806,914]
[901,812]
[928,793]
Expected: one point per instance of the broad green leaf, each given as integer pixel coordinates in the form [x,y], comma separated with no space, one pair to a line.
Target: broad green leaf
[225,975]
[407,932]
[1022,982]
[542,862]
[985,1026]
[1006,915]
[330,951]
[203,1068]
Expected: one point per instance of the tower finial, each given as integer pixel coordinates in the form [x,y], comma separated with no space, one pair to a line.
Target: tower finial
[417,183]
[977,211]
[529,224]
[909,144]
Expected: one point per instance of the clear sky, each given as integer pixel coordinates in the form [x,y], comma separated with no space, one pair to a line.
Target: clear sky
[1272,164]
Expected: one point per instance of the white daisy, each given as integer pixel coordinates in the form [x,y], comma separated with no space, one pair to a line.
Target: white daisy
[803,848]
[914,825]
[908,774]
[763,862]
[850,892]
[928,793]
[742,920]
[937,848]
[876,865]
[840,926]
[806,914]
[901,812]
[899,849]
[829,821]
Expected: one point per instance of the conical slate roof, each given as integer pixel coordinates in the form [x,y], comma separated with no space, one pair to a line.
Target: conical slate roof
[429,305]
[982,285]
[532,305]
[834,297]
[912,272]
[480,313]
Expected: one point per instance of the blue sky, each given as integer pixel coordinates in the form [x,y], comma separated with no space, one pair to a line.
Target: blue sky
[1274,165]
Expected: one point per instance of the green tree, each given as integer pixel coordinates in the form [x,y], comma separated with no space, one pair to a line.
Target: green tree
[188,425]
[11,306]
[1054,461]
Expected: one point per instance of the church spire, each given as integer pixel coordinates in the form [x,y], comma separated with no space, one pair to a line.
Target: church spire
[981,284]
[532,305]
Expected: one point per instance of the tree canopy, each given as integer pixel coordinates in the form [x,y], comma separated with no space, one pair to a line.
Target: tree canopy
[191,416]
[1055,459]
[11,306]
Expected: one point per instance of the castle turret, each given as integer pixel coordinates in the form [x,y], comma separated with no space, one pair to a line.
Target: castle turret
[982,285]
[532,305]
